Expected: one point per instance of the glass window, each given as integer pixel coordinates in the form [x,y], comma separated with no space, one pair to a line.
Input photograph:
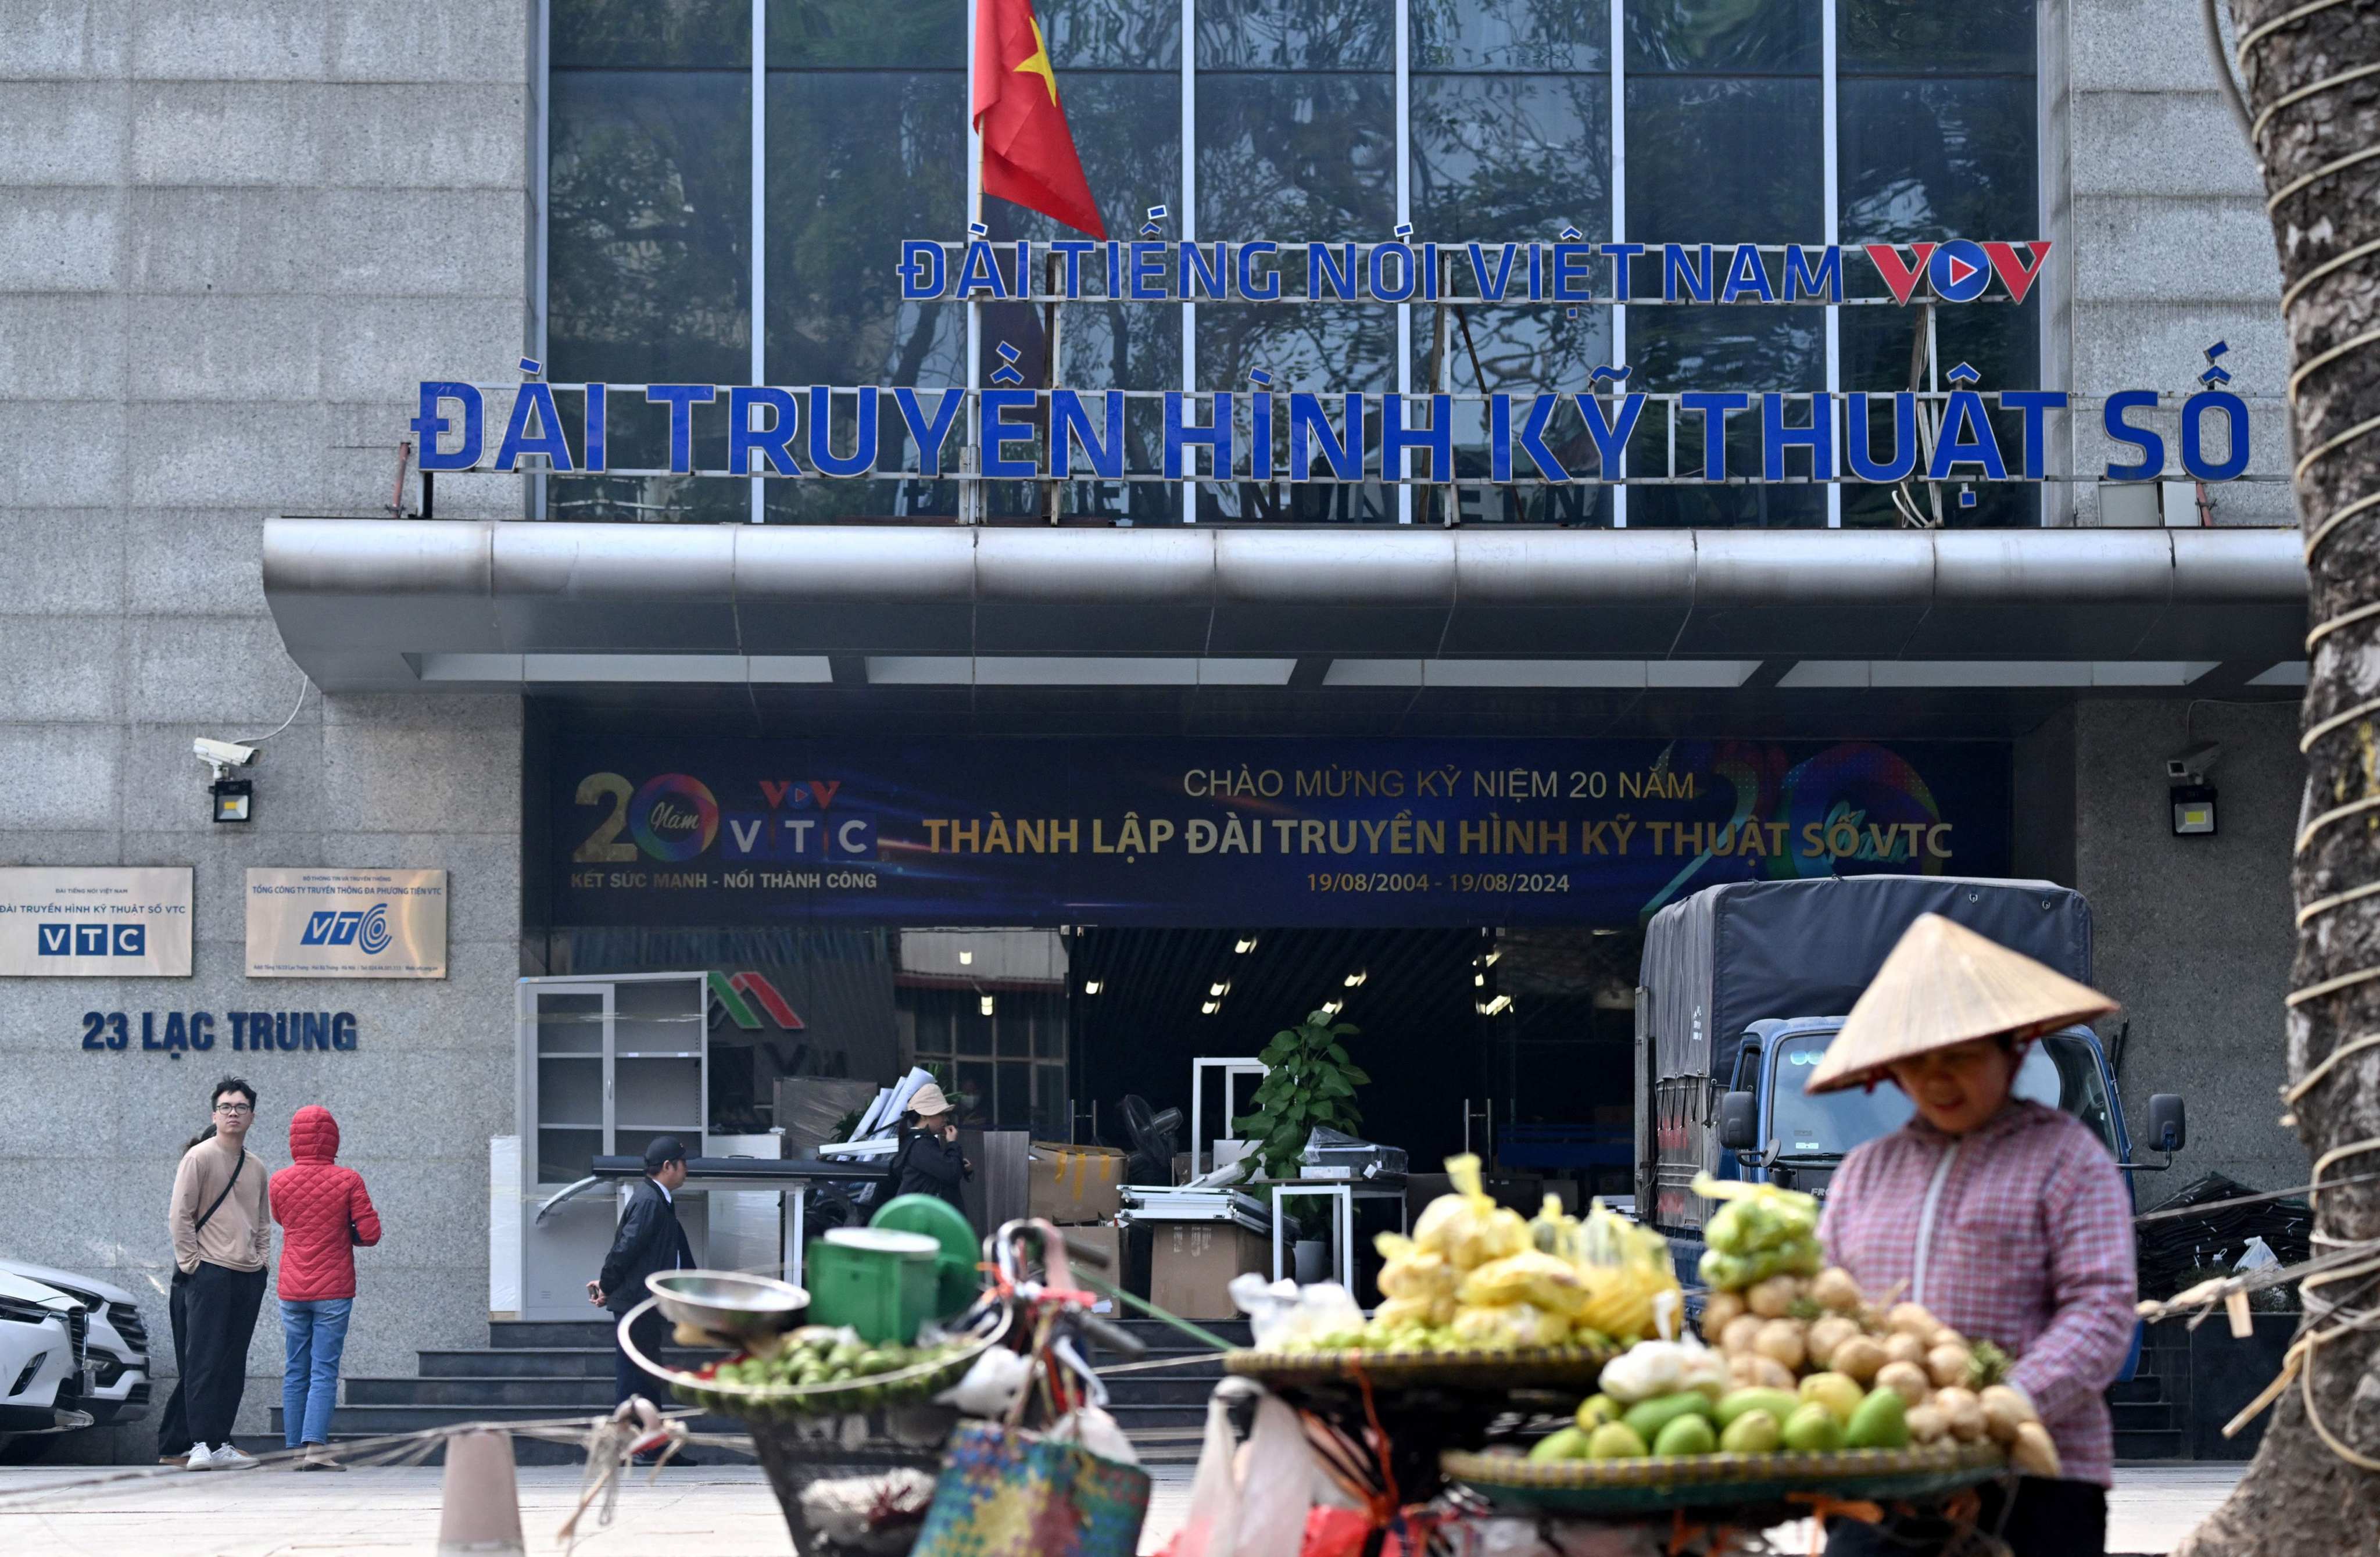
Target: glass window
[1559,35]
[1895,36]
[648,271]
[652,32]
[1300,35]
[868,34]
[1831,1123]
[1739,37]
[1508,139]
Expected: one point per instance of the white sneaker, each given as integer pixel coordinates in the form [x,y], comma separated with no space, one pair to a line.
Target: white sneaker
[201,1458]
[226,1457]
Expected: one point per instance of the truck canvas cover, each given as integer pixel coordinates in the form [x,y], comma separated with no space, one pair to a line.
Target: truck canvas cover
[1730,956]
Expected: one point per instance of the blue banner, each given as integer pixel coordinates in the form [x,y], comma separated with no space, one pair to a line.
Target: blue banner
[1304,831]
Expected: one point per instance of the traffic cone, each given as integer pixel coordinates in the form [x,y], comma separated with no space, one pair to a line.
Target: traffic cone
[481,1513]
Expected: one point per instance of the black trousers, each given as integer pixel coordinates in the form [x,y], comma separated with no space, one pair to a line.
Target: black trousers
[174,1427]
[651,1332]
[2043,1518]
[219,1318]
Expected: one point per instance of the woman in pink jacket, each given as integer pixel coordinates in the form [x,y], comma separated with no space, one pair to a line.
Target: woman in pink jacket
[324,1213]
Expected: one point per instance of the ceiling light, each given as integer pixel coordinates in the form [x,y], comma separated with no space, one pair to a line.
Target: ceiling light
[1501,1004]
[1090,986]
[1245,946]
[1480,980]
[965,957]
[1490,958]
[1211,1008]
[1218,988]
[1333,1007]
[1355,978]
[985,1004]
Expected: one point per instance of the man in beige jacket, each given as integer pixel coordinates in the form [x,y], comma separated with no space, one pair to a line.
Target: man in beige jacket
[221,1232]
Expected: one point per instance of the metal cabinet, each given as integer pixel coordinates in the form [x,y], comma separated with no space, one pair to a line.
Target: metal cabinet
[605,1066]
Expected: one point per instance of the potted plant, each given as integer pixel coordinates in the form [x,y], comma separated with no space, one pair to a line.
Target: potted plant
[1309,1084]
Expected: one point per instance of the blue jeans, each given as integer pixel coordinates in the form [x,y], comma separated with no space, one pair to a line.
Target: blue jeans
[313,1334]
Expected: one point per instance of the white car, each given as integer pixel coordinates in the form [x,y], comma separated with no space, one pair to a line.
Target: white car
[41,1370]
[117,1348]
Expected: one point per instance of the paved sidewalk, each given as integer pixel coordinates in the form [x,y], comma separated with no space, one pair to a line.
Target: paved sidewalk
[725,1511]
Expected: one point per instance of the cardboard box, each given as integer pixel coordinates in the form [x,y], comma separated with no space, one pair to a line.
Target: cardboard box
[1192,1265]
[1074,1185]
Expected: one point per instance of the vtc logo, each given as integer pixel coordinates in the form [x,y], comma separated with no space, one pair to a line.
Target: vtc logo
[64,938]
[335,926]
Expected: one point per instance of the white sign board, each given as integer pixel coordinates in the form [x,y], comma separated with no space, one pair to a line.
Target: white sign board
[94,921]
[344,922]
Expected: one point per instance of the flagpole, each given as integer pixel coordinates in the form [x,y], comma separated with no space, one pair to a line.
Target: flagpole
[970,458]
[1051,320]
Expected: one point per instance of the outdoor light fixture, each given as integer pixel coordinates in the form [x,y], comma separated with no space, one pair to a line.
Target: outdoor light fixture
[230,800]
[1090,986]
[1245,946]
[985,1004]
[966,958]
[2189,794]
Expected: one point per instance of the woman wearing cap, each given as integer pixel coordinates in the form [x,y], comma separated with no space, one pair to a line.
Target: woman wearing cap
[2007,1220]
[927,1160]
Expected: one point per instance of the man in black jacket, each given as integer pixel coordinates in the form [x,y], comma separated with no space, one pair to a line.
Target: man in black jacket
[648,1239]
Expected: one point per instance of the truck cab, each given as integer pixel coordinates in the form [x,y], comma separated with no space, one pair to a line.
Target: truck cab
[1742,989]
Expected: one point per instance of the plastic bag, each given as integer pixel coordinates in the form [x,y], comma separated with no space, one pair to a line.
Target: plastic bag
[1248,1500]
[1466,1227]
[1510,1326]
[1410,1272]
[1097,1431]
[1733,1273]
[991,1385]
[1543,1280]
[1755,1216]
[1284,1314]
[1630,1281]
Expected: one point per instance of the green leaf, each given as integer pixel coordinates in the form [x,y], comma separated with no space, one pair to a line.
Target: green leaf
[1358,1075]
[1333,1085]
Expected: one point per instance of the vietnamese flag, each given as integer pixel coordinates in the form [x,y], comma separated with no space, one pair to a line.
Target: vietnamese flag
[1028,153]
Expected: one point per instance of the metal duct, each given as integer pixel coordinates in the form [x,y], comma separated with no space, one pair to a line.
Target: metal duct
[364,603]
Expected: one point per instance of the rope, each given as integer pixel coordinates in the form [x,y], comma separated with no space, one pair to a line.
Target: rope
[2258,34]
[2293,1094]
[2336,721]
[2323,359]
[2335,815]
[2287,100]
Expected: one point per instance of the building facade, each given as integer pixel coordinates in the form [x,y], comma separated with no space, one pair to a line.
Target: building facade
[239,233]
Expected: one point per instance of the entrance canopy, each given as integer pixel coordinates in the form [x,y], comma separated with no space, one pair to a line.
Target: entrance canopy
[1338,627]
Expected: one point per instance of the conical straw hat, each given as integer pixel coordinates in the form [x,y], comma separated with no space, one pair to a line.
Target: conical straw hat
[1945,984]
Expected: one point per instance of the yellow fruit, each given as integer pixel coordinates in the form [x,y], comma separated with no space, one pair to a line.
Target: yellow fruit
[1839,1393]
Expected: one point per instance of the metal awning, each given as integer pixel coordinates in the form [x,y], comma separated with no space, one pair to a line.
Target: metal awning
[383,604]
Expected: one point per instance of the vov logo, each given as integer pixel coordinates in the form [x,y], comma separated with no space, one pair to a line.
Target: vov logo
[366,929]
[64,938]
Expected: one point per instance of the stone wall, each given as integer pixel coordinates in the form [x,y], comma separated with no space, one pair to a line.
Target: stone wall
[233,234]
[2168,247]
[2194,935]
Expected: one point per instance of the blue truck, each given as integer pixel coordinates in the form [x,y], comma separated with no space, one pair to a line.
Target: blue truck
[1744,985]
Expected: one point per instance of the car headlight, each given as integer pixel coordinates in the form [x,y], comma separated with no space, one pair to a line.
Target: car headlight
[17,1311]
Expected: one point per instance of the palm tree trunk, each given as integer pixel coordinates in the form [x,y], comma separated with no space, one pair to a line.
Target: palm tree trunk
[2301,1495]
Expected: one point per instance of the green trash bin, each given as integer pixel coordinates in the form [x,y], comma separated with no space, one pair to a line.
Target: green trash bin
[957,1279]
[879,1281]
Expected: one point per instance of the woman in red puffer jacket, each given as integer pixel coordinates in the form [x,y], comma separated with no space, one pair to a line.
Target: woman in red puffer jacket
[323,1214]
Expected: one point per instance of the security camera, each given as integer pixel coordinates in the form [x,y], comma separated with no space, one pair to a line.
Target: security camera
[2189,767]
[222,755]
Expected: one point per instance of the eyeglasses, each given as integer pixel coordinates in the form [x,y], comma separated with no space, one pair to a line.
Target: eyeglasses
[235,1108]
